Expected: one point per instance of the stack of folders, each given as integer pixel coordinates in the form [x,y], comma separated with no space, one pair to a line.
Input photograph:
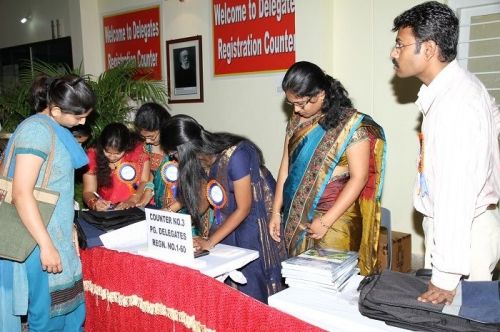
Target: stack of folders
[323,269]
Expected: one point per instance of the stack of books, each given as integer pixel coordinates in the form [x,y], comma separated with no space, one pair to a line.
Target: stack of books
[324,269]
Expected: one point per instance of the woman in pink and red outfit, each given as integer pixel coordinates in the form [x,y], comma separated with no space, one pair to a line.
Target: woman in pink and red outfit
[118,170]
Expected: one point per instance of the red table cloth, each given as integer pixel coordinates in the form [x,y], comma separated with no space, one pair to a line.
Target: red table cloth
[125,292]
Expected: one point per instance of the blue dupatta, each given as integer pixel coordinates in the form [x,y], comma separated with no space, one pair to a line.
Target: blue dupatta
[301,158]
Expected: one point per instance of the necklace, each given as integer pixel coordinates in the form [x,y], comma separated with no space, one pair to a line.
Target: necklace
[115,164]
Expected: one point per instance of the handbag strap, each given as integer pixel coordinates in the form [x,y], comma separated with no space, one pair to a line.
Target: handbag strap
[50,158]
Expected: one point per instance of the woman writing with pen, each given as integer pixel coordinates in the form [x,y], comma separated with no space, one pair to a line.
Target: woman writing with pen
[99,200]
[118,171]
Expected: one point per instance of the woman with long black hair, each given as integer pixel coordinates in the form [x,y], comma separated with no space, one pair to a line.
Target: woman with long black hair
[228,192]
[331,173]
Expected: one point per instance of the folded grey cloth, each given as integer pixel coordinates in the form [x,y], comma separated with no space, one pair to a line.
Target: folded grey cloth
[476,300]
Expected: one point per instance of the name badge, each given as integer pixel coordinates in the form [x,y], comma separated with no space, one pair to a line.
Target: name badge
[217,197]
[127,172]
[170,172]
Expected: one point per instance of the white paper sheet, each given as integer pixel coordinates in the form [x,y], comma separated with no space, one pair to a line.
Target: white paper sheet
[130,238]
[221,260]
[224,258]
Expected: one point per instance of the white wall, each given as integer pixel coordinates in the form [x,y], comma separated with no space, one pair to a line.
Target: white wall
[361,45]
[350,39]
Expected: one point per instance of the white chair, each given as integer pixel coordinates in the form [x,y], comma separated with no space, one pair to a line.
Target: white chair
[386,223]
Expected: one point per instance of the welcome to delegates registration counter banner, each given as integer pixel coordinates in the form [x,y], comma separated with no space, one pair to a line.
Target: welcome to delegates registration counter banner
[134,35]
[253,35]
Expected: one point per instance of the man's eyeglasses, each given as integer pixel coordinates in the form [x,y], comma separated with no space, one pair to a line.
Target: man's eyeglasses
[398,46]
[299,104]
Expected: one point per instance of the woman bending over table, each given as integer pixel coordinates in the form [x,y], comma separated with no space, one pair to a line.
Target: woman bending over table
[118,171]
[224,174]
[150,117]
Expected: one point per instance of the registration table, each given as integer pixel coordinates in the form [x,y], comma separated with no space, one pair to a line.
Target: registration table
[127,292]
[332,311]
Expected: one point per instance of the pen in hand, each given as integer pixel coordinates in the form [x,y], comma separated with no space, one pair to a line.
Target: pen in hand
[109,205]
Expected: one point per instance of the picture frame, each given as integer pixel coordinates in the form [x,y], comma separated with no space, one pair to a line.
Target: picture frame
[185,70]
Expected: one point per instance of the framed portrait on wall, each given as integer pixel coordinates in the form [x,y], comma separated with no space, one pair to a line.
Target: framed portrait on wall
[185,70]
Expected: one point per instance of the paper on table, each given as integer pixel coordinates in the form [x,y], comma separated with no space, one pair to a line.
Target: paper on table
[130,238]
[222,258]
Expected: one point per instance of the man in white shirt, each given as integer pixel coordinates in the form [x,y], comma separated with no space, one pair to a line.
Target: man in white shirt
[458,181]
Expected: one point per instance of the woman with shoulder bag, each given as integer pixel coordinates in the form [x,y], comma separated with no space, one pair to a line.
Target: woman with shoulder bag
[48,286]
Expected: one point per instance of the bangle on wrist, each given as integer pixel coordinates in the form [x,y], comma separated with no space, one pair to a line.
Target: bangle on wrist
[322,224]
[274,212]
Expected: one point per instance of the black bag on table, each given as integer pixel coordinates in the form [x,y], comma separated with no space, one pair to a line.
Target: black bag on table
[90,225]
[113,219]
[392,297]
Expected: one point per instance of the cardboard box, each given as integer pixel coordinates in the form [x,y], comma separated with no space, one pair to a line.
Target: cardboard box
[401,251]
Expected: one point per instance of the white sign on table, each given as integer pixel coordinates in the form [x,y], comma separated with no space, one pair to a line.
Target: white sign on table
[169,237]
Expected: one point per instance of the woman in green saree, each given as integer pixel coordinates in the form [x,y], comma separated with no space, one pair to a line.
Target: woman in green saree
[149,119]
[331,173]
